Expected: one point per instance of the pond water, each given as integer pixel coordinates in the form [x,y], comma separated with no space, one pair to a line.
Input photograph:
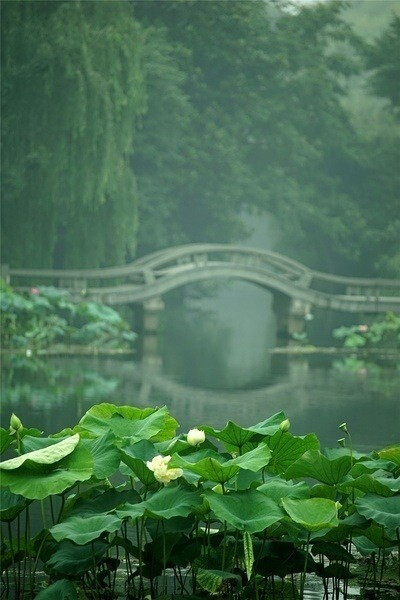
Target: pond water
[214,361]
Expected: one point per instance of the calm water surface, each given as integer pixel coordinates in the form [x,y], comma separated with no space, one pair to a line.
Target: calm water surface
[213,362]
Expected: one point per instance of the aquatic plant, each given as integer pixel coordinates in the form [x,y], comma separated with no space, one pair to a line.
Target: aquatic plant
[131,509]
[46,316]
[382,333]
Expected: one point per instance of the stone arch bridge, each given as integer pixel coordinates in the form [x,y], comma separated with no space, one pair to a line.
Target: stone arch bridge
[296,288]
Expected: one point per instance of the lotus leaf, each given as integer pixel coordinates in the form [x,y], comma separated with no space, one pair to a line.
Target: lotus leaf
[248,510]
[5,439]
[384,486]
[36,485]
[286,449]
[315,465]
[211,467]
[10,505]
[45,456]
[136,456]
[170,501]
[104,501]
[312,514]
[391,453]
[106,456]
[276,489]
[384,511]
[60,590]
[74,560]
[82,530]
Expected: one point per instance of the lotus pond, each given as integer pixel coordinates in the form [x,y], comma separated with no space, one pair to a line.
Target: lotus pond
[131,509]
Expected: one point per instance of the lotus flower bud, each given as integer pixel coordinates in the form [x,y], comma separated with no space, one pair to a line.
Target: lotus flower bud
[195,437]
[342,442]
[343,427]
[285,425]
[15,424]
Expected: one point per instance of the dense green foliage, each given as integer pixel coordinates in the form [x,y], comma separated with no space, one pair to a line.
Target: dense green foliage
[383,333]
[47,317]
[213,512]
[190,113]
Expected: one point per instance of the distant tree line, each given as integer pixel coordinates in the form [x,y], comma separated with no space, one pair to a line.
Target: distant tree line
[129,126]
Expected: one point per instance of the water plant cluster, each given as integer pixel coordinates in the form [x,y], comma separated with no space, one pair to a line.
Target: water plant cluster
[46,316]
[131,509]
[383,333]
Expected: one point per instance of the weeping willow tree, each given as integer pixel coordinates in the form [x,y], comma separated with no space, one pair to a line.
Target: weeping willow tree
[72,91]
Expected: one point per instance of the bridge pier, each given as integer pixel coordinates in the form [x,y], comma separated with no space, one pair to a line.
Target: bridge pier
[150,324]
[290,317]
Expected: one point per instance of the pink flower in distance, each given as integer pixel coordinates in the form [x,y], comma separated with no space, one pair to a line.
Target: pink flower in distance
[35,291]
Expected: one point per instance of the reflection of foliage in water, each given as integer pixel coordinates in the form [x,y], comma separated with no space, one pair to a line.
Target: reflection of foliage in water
[380,378]
[47,316]
[42,384]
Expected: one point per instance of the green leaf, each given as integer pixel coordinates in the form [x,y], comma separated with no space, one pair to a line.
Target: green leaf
[136,456]
[286,449]
[312,514]
[254,460]
[170,501]
[106,456]
[10,505]
[384,486]
[210,467]
[60,590]
[332,551]
[248,510]
[276,489]
[315,465]
[236,437]
[212,580]
[82,530]
[248,553]
[384,511]
[44,456]
[71,559]
[5,439]
[391,453]
[104,501]
[37,485]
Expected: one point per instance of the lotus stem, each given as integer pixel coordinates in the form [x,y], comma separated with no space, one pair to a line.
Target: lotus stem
[303,579]
[12,554]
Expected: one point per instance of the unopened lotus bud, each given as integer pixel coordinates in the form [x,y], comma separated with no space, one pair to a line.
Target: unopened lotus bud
[285,425]
[15,424]
[343,427]
[195,437]
[342,442]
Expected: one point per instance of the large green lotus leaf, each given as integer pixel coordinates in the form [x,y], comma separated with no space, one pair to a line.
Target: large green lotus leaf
[212,580]
[332,551]
[276,489]
[10,505]
[60,590]
[391,453]
[104,501]
[312,514]
[74,560]
[321,490]
[366,547]
[82,530]
[210,467]
[129,421]
[30,443]
[282,558]
[248,510]
[5,439]
[168,502]
[371,466]
[236,437]
[106,456]
[384,486]
[333,453]
[286,449]
[45,456]
[384,511]
[37,485]
[379,536]
[136,456]
[315,465]
[254,460]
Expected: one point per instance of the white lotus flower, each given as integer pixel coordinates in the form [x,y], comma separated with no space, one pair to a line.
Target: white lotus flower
[195,437]
[159,466]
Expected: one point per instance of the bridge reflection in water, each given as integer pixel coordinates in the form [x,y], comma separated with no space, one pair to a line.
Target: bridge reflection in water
[296,288]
